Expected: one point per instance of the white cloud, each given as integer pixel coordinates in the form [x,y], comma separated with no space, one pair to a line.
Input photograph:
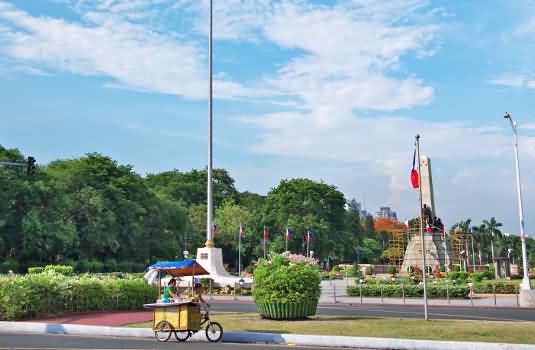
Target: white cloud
[514,81]
[109,45]
[232,19]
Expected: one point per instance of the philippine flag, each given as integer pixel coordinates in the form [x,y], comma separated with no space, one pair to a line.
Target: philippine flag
[289,233]
[415,181]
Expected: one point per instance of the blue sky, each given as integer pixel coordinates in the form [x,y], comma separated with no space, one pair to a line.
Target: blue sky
[330,90]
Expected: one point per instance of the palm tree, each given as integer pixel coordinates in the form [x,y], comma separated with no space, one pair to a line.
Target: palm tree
[493,229]
[480,235]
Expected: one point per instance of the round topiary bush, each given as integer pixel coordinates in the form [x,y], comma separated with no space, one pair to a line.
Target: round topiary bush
[286,287]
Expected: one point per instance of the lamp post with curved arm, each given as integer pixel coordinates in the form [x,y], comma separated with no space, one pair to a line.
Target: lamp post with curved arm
[525,280]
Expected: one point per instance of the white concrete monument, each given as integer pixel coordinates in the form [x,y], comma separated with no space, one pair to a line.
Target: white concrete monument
[437,250]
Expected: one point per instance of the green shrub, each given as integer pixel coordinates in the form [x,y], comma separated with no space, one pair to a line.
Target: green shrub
[411,290]
[61,269]
[37,269]
[461,276]
[391,269]
[369,271]
[479,276]
[485,287]
[36,295]
[286,279]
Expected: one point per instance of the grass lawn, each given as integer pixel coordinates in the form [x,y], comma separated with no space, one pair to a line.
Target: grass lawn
[487,331]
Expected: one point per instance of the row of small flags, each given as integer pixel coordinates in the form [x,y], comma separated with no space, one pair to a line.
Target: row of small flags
[289,232]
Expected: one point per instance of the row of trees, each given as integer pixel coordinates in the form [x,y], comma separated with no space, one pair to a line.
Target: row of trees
[97,214]
[490,242]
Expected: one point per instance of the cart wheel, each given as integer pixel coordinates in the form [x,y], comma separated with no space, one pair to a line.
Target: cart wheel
[182,336]
[163,331]
[214,332]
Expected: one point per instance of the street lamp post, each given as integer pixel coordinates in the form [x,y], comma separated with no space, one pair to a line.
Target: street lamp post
[525,280]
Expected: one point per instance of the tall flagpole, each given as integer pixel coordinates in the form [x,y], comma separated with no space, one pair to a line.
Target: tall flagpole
[308,243]
[209,203]
[286,238]
[264,233]
[422,227]
[239,251]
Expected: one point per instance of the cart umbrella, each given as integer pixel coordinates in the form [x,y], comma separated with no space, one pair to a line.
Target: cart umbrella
[179,268]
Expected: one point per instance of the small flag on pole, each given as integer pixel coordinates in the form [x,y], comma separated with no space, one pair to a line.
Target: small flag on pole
[415,181]
[215,229]
[266,232]
[309,236]
[242,230]
[289,233]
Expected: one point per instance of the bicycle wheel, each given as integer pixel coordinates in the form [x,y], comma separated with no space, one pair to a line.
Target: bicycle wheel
[163,331]
[182,336]
[214,332]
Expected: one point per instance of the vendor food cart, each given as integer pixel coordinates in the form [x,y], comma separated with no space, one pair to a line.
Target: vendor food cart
[181,317]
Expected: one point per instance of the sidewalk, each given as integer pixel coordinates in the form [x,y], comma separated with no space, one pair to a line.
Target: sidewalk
[103,318]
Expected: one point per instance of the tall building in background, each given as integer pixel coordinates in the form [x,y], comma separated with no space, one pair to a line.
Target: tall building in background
[356,207]
[386,213]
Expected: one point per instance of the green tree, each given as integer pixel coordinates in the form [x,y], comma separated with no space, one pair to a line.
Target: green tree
[190,187]
[302,205]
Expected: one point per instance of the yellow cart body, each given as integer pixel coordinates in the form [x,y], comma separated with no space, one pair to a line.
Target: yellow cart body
[182,316]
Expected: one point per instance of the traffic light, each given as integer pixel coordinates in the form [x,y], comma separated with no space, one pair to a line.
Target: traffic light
[30,166]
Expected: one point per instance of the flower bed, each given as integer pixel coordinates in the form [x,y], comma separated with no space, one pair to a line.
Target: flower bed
[286,287]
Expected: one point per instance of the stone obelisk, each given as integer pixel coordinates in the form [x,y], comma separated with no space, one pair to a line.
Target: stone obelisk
[436,247]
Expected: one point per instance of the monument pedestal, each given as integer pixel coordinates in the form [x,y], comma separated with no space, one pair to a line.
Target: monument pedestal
[437,252]
[527,298]
[211,259]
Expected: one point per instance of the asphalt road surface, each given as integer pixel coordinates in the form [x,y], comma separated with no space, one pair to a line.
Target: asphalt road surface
[405,311]
[68,342]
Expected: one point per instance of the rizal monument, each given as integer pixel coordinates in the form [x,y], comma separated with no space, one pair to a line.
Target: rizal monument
[436,247]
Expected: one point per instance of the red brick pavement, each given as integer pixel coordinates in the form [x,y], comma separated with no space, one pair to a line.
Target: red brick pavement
[101,318]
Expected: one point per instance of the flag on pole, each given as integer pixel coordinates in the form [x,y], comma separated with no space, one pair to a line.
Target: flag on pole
[242,230]
[309,236]
[289,233]
[415,181]
[266,232]
[215,229]
[406,224]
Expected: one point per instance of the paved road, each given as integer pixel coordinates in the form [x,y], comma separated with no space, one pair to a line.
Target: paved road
[411,311]
[64,342]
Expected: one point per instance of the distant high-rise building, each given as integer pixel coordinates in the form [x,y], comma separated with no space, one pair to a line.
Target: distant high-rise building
[387,213]
[356,207]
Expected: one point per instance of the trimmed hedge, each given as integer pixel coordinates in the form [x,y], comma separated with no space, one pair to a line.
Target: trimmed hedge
[501,287]
[411,290]
[36,295]
[61,269]
[37,269]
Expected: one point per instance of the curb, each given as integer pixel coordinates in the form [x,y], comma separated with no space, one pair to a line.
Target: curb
[263,338]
